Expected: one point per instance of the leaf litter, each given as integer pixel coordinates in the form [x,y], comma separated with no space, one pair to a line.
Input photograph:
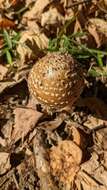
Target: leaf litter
[66,150]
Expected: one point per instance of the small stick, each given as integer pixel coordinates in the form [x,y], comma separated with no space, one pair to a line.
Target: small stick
[78,3]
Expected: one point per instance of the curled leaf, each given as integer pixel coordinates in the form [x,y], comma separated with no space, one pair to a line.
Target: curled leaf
[6,23]
[100,24]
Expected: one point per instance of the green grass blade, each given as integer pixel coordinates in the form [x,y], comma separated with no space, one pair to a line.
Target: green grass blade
[9,57]
[99,60]
[7,39]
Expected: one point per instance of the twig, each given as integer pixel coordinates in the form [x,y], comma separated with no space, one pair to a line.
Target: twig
[78,3]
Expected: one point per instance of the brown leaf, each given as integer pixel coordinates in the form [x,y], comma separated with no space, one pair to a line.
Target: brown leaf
[77,26]
[92,174]
[91,165]
[69,13]
[92,30]
[1,42]
[1,3]
[71,128]
[102,5]
[29,2]
[96,105]
[100,24]
[105,2]
[39,6]
[65,159]
[7,130]
[101,175]
[51,17]
[6,23]
[2,142]
[51,125]
[3,71]
[4,162]
[93,122]
[88,182]
[9,84]
[31,43]
[25,121]
[104,161]
[98,29]
[6,85]
[101,138]
[36,11]
[42,165]
[14,2]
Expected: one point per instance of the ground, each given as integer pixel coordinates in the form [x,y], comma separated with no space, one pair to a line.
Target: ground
[66,149]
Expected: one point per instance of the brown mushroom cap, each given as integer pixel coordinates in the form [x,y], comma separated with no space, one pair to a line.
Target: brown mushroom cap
[56,80]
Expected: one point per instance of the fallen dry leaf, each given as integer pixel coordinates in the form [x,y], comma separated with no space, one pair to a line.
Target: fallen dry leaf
[9,84]
[3,71]
[51,125]
[4,4]
[2,142]
[65,159]
[92,175]
[1,3]
[25,121]
[100,24]
[77,26]
[15,2]
[96,105]
[93,122]
[1,42]
[29,2]
[6,23]
[98,28]
[87,182]
[98,39]
[69,14]
[26,170]
[42,165]
[31,43]
[51,17]
[4,162]
[71,128]
[36,34]
[101,175]
[6,85]
[100,138]
[91,165]
[39,7]
[105,2]
[67,3]
[22,72]
[102,5]
[104,161]
[36,11]
[7,131]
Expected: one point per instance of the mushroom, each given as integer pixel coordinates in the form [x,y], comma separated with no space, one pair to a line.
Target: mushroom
[56,80]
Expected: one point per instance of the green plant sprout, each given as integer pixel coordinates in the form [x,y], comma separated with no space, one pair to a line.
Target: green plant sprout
[10,40]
